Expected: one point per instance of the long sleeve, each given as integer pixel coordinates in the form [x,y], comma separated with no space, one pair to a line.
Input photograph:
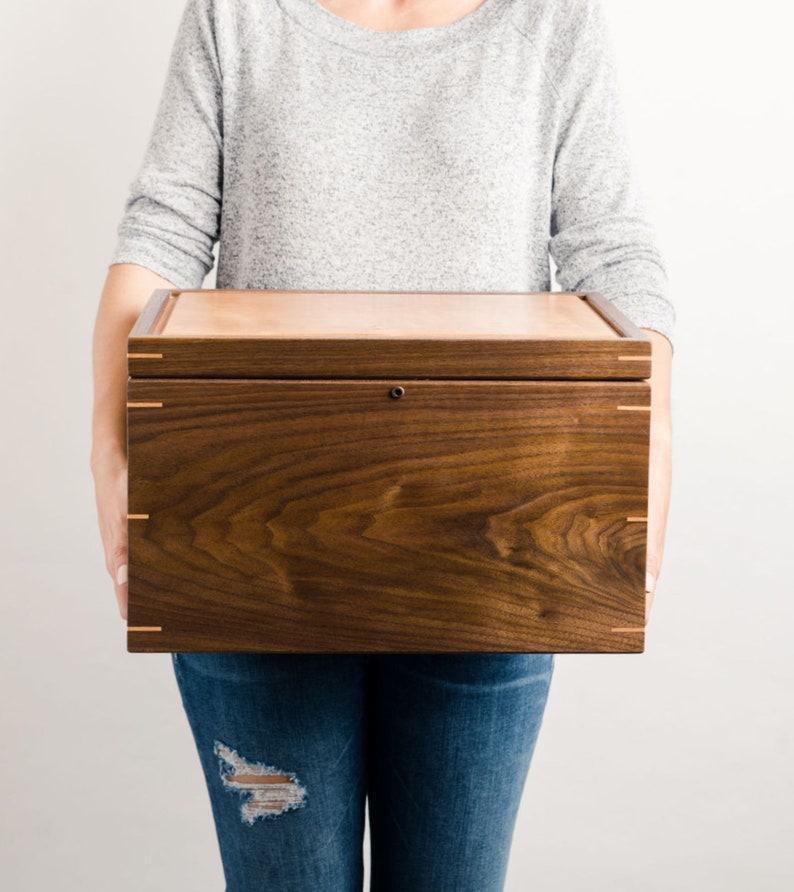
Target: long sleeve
[601,239]
[171,218]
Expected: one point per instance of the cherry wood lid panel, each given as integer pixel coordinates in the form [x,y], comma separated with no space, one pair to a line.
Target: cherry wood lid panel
[228,333]
[373,314]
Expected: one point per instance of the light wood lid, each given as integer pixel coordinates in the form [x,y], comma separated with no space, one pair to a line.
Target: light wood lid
[384,334]
[381,315]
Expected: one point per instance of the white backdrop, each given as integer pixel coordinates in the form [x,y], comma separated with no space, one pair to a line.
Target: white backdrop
[665,771]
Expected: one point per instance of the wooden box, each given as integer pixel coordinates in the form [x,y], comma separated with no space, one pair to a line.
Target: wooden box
[334,471]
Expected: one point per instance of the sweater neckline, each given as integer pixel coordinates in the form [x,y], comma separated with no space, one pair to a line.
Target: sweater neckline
[326,24]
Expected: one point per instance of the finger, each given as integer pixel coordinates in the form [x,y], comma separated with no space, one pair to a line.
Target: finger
[650,586]
[121,589]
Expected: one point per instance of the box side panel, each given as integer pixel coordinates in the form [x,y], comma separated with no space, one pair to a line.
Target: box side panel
[329,516]
[357,358]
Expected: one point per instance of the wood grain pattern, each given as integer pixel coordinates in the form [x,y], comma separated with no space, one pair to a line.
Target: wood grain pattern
[325,516]
[424,315]
[414,359]
[449,335]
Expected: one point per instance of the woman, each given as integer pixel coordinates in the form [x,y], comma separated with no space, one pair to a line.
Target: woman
[450,145]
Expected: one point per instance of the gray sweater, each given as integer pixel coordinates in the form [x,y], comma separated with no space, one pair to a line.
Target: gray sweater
[325,155]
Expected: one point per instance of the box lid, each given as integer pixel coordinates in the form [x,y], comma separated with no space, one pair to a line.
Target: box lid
[385,334]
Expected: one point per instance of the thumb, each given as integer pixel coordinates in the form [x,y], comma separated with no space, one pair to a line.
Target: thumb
[650,585]
[120,580]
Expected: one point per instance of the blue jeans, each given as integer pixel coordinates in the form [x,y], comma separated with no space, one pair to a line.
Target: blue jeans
[293,745]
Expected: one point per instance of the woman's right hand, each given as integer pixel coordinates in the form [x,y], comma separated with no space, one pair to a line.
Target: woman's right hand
[110,485]
[127,289]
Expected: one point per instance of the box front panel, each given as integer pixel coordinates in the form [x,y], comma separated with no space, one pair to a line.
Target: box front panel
[341,516]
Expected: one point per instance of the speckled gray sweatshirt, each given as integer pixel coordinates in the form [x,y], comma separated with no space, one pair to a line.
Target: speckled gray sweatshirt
[326,155]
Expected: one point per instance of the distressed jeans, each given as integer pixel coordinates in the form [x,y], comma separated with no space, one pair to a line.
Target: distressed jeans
[293,746]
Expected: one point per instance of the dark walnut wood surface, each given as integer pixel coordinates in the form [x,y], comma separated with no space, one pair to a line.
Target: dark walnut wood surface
[328,516]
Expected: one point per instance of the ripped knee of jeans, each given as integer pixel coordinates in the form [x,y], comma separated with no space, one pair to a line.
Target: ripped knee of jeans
[266,791]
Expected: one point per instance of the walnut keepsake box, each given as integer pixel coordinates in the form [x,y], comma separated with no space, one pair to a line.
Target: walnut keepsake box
[333,471]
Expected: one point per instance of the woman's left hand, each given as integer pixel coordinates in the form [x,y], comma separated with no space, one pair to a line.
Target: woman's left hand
[660,468]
